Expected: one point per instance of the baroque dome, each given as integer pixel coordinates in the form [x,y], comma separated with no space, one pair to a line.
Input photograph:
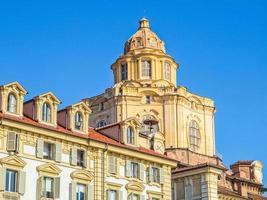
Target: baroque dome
[144,38]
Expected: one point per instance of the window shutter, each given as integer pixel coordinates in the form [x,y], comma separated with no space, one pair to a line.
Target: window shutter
[57,187]
[74,156]
[188,192]
[11,141]
[58,152]
[17,142]
[84,158]
[141,172]
[128,171]
[2,178]
[22,182]
[90,192]
[120,195]
[40,148]
[161,175]
[142,197]
[73,190]
[112,164]
[150,176]
[39,188]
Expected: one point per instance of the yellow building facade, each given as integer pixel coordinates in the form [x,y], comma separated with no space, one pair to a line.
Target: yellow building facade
[48,154]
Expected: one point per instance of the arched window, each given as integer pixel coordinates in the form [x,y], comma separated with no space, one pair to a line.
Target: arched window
[101,123]
[146,69]
[46,112]
[78,121]
[130,135]
[194,135]
[167,71]
[124,72]
[146,128]
[12,103]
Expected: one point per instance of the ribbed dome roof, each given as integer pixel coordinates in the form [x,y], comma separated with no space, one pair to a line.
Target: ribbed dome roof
[144,38]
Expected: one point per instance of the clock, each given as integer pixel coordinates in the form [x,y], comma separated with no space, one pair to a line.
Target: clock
[159,147]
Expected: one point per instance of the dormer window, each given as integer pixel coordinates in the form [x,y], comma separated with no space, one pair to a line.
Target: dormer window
[124,72]
[146,69]
[130,135]
[101,123]
[78,120]
[148,99]
[12,103]
[46,115]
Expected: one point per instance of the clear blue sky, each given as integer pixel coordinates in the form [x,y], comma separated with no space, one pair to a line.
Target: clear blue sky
[67,47]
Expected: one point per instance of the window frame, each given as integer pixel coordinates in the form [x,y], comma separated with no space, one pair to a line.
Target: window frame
[11,106]
[46,112]
[85,190]
[124,72]
[81,157]
[78,118]
[44,192]
[155,177]
[194,135]
[8,180]
[131,138]
[146,69]
[135,172]
[167,71]
[51,148]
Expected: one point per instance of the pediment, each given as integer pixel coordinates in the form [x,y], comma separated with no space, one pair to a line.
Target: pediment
[82,175]
[81,106]
[49,96]
[132,121]
[136,186]
[49,168]
[15,86]
[13,161]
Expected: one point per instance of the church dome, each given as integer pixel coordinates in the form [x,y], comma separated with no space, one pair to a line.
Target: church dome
[144,38]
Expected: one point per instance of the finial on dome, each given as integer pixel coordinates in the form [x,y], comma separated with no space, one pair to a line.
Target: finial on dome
[144,23]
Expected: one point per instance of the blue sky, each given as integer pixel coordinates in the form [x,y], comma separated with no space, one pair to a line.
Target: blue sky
[67,47]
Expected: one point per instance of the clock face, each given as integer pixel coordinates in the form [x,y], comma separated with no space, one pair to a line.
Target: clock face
[159,147]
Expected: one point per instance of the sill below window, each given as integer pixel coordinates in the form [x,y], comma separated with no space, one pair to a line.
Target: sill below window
[11,195]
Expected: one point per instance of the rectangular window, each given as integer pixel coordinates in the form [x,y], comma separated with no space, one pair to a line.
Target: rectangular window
[48,187]
[180,190]
[112,195]
[155,175]
[11,181]
[101,106]
[135,170]
[197,188]
[80,158]
[48,151]
[146,69]
[80,191]
[124,72]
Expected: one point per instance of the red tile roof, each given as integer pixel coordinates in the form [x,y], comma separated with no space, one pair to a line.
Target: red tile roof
[92,134]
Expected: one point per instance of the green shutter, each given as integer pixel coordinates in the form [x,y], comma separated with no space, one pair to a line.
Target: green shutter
[40,148]
[161,178]
[2,178]
[57,187]
[22,182]
[141,171]
[58,152]
[90,192]
[73,156]
[112,164]
[73,190]
[128,171]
